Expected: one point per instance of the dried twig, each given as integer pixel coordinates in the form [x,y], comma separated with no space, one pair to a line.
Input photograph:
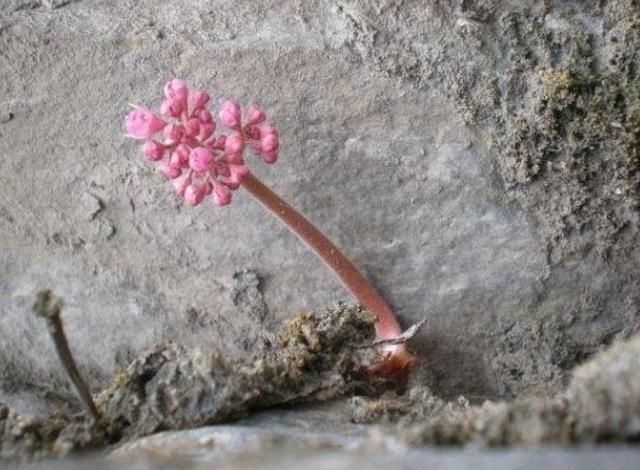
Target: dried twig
[48,307]
[402,338]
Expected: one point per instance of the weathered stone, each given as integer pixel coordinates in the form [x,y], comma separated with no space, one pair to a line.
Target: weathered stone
[474,158]
[604,394]
[317,357]
[601,404]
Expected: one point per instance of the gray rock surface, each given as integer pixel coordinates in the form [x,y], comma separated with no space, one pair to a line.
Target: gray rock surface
[620,458]
[203,453]
[601,403]
[400,124]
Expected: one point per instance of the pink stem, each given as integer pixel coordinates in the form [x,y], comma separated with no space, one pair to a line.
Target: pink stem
[387,326]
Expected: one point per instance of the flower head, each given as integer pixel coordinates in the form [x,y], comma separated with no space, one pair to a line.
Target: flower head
[182,141]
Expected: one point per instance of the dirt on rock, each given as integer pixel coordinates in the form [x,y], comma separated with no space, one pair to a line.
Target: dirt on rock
[320,357]
[317,357]
[601,404]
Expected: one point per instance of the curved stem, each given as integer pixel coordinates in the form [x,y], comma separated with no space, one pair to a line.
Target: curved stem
[386,326]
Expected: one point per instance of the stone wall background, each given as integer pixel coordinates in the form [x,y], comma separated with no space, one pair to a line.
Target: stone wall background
[477,159]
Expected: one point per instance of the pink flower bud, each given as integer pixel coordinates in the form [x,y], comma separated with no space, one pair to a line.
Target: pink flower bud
[268,129]
[183,151]
[192,128]
[142,123]
[237,173]
[234,145]
[172,107]
[180,157]
[228,183]
[194,194]
[205,116]
[181,182]
[170,171]
[153,150]
[176,90]
[201,159]
[206,130]
[199,99]
[173,133]
[255,115]
[269,157]
[269,143]
[221,195]
[230,114]
[233,174]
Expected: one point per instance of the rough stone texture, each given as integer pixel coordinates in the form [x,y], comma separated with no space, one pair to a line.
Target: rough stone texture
[604,394]
[329,459]
[602,403]
[262,446]
[418,404]
[320,357]
[316,357]
[25,438]
[437,142]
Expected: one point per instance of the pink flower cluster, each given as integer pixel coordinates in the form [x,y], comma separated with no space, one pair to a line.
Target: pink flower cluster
[198,162]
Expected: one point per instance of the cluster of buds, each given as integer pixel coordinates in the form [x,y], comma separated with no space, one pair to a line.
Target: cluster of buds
[184,142]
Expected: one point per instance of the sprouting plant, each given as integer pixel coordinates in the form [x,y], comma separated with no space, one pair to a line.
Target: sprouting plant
[201,164]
